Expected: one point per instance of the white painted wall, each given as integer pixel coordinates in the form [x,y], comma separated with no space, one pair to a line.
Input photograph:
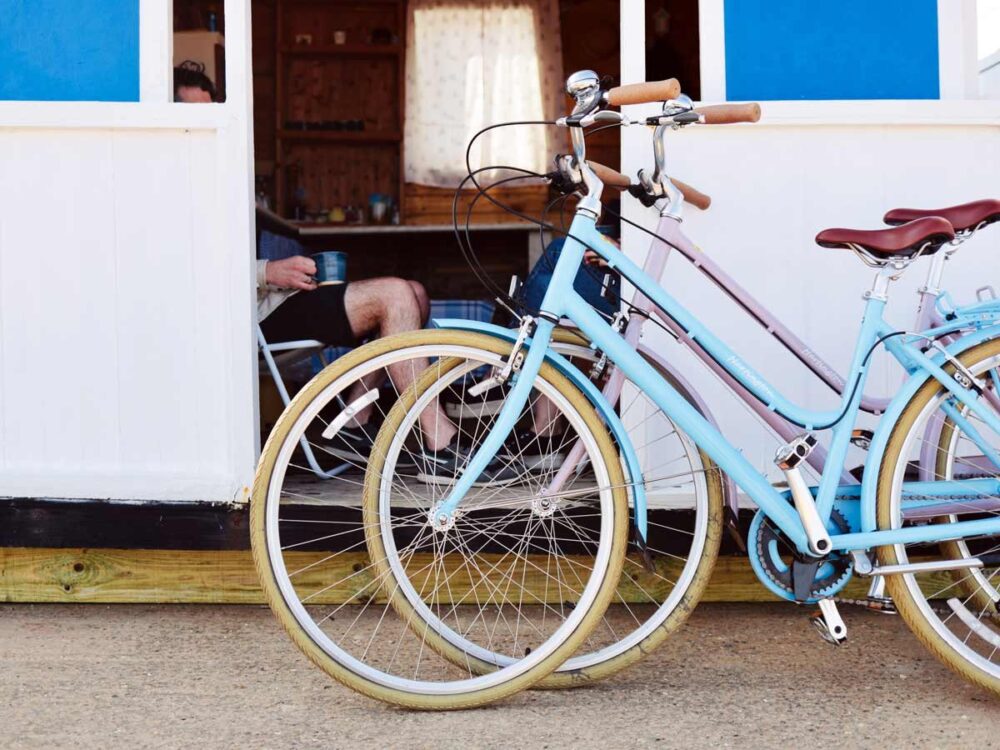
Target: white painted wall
[127,365]
[774,185]
[989,76]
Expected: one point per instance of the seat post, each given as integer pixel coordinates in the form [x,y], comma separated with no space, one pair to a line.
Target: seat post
[884,276]
[934,273]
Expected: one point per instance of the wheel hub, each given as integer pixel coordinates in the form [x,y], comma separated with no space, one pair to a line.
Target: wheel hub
[544,506]
[439,519]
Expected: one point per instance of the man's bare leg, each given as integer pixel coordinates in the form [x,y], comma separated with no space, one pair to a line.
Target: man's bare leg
[386,306]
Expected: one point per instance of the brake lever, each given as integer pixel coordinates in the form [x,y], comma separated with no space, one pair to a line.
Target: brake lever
[641,194]
[604,115]
[680,119]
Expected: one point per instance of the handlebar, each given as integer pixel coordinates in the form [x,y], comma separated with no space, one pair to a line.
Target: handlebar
[725,114]
[612,178]
[693,196]
[609,176]
[643,93]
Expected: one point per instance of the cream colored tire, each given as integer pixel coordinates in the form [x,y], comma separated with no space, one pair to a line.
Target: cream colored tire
[476,690]
[905,590]
[611,658]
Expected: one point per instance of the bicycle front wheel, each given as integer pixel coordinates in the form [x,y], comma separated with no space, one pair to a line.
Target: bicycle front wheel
[954,613]
[385,555]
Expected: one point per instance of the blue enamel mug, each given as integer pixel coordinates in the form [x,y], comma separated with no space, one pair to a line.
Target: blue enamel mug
[331,267]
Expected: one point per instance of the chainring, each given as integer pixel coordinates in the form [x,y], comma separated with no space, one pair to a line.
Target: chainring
[775,555]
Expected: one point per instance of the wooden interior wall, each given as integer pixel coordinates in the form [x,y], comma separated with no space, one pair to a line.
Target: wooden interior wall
[342,173]
[672,43]
[316,92]
[433,205]
[193,15]
[590,39]
[264,25]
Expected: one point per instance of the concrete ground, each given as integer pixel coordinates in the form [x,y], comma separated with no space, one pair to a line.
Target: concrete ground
[736,676]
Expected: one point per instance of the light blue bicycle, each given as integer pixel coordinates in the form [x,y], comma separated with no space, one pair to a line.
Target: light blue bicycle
[934,541]
[470,539]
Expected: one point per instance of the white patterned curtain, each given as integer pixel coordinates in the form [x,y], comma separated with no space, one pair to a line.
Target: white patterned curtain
[471,64]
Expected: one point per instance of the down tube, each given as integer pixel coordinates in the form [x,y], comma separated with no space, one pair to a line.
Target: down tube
[707,437]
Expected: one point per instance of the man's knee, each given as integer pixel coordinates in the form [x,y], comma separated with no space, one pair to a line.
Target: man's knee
[386,302]
[423,300]
[397,298]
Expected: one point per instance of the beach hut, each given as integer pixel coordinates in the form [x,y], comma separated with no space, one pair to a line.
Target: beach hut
[129,405]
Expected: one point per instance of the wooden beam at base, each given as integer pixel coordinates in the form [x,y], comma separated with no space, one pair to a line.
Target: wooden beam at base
[109,576]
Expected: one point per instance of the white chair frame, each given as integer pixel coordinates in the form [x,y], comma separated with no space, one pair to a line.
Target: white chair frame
[267,351]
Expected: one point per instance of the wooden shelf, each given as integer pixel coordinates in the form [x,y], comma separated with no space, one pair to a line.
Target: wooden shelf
[333,230]
[328,3]
[340,136]
[343,50]
[324,81]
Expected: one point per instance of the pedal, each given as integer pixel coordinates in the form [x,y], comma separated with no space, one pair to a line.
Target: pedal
[606,288]
[829,624]
[515,287]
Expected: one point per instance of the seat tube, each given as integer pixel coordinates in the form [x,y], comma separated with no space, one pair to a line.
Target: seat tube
[871,324]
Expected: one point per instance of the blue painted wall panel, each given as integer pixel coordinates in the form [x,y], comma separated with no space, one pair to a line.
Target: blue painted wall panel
[821,49]
[69,50]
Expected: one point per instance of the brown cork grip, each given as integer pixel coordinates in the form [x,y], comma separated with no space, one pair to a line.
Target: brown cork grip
[725,114]
[695,197]
[642,93]
[609,176]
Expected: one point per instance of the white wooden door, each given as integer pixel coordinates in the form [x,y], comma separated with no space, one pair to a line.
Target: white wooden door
[127,363]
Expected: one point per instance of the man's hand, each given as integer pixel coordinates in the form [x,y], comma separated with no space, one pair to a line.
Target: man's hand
[590,258]
[292,273]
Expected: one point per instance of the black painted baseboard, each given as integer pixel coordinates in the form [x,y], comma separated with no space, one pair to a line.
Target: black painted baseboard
[109,524]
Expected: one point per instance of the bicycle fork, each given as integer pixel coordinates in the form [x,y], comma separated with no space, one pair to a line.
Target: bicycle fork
[441,516]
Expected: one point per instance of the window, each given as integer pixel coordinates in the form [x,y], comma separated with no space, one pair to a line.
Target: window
[473,64]
[86,50]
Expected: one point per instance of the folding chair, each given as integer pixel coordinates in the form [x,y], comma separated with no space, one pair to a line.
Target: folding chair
[289,352]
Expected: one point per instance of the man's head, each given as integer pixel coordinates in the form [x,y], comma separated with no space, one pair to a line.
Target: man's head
[191,84]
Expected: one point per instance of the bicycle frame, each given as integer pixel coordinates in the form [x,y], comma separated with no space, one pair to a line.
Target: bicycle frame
[670,237]
[562,301]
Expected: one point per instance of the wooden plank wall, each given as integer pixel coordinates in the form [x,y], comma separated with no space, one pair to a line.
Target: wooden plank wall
[108,576]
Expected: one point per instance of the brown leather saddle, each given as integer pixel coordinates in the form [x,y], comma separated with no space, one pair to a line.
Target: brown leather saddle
[963,218]
[925,234]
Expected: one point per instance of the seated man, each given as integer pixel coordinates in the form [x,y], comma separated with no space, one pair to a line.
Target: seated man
[290,306]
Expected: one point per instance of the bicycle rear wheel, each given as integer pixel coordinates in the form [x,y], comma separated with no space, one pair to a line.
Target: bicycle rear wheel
[953,613]
[658,590]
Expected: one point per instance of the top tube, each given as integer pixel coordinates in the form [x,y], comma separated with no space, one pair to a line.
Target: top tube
[583,230]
